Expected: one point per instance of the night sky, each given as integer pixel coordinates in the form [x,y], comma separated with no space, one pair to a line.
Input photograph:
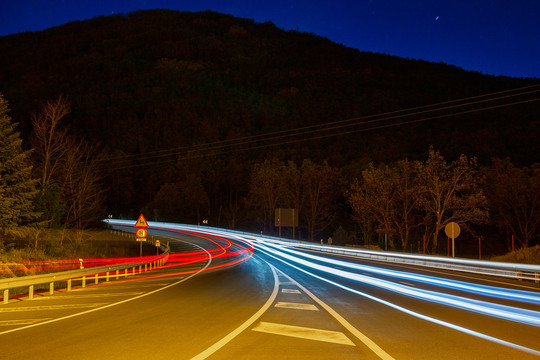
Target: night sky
[499,37]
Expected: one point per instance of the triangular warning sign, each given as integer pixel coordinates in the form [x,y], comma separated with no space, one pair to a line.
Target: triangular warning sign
[141,222]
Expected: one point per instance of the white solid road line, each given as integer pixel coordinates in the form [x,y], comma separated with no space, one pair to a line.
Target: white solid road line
[212,349]
[113,304]
[357,333]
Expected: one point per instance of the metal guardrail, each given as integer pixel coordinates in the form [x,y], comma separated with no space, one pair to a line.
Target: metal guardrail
[82,275]
[507,270]
[484,267]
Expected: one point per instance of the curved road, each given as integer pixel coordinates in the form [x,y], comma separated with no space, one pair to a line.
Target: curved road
[218,298]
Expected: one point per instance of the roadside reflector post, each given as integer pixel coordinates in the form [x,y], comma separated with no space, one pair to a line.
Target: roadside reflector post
[84,281]
[133,272]
[51,288]
[69,285]
[96,276]
[145,267]
[125,272]
[6,296]
[107,276]
[140,269]
[31,292]
[117,274]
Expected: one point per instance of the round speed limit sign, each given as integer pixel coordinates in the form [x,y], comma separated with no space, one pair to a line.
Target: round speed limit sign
[141,233]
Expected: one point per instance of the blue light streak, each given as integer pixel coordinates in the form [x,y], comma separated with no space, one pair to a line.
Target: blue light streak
[270,252]
[529,317]
[508,294]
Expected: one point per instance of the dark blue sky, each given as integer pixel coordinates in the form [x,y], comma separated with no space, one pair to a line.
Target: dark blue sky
[500,37]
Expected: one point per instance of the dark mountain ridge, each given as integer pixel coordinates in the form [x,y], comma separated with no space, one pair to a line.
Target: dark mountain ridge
[161,79]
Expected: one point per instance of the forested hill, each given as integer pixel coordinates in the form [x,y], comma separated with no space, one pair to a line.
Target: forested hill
[154,80]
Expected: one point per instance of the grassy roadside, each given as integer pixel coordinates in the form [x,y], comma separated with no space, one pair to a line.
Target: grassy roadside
[530,255]
[53,244]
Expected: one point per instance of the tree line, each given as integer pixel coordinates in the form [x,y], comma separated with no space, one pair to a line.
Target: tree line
[59,183]
[53,184]
[411,201]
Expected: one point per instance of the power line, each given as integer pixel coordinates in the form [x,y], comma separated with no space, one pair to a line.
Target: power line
[236,141]
[221,147]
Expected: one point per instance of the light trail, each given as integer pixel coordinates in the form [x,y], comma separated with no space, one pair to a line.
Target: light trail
[234,251]
[529,317]
[501,293]
[271,253]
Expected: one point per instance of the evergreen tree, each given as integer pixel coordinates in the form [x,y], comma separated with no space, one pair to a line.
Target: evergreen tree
[17,188]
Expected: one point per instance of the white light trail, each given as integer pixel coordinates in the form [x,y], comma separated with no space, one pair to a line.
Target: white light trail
[271,253]
[508,294]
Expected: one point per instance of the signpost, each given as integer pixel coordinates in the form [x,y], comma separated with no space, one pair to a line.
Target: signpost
[452,230]
[286,218]
[141,231]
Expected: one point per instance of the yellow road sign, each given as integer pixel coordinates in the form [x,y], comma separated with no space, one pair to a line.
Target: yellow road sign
[141,222]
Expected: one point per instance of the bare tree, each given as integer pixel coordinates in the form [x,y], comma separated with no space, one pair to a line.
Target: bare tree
[266,188]
[362,213]
[407,198]
[82,191]
[450,192]
[320,189]
[514,199]
[374,198]
[66,167]
[49,139]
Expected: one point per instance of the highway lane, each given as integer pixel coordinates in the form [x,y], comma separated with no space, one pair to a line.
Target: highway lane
[408,327]
[258,308]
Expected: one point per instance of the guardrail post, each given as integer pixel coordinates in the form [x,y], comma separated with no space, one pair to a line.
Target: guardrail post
[6,296]
[140,269]
[107,276]
[537,277]
[117,274]
[145,267]
[83,281]
[31,292]
[69,285]
[51,288]
[97,277]
[125,272]
[133,271]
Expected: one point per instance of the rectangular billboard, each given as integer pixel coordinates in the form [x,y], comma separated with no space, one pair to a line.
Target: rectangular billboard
[286,217]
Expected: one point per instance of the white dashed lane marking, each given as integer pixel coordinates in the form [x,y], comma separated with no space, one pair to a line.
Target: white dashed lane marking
[297,306]
[304,333]
[290,291]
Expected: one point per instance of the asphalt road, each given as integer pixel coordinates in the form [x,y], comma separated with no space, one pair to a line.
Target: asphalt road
[231,303]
